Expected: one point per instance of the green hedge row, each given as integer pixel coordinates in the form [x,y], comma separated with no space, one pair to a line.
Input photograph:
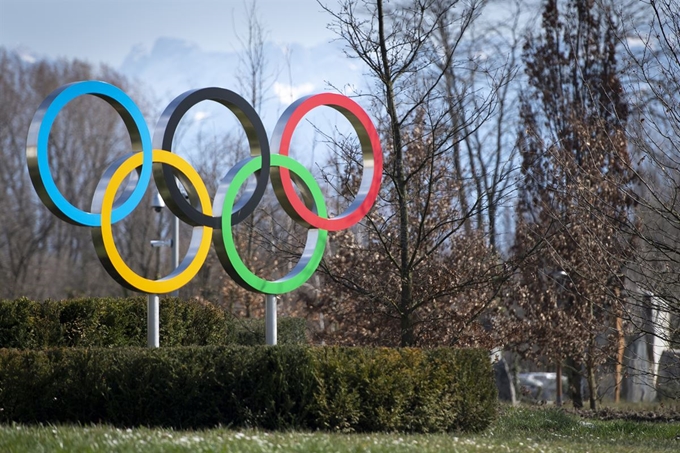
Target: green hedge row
[284,387]
[111,322]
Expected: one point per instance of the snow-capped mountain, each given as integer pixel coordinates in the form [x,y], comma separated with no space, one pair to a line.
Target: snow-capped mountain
[173,66]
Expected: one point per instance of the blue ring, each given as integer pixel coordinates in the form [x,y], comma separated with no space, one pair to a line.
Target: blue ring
[128,110]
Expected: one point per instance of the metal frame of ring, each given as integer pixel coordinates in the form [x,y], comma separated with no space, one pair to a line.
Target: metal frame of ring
[257,139]
[316,239]
[370,148]
[37,156]
[159,161]
[102,236]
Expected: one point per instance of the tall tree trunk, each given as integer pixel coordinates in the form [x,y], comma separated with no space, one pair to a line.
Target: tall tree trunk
[405,302]
[574,379]
[408,336]
[592,382]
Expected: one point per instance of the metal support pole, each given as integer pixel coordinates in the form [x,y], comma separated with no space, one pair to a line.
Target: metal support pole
[270,333]
[152,322]
[175,248]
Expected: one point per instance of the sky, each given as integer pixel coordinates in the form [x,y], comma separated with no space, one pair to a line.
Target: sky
[106,30]
[118,32]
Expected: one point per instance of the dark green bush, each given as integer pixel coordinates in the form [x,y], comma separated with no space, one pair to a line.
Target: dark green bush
[250,331]
[111,322]
[301,387]
[403,389]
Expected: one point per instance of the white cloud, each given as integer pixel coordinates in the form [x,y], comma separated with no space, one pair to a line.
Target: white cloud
[27,58]
[201,115]
[287,94]
[635,42]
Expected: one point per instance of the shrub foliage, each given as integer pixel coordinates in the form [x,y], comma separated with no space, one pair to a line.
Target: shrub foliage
[82,361]
[111,322]
[283,387]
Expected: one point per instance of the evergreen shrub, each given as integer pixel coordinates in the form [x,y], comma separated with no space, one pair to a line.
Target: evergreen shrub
[282,387]
[119,322]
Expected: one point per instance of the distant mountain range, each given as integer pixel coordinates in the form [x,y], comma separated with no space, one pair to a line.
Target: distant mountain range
[173,66]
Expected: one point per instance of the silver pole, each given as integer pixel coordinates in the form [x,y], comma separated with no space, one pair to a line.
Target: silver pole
[175,247]
[270,333]
[152,322]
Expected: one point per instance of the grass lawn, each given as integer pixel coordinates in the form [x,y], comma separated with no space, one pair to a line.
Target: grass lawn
[537,430]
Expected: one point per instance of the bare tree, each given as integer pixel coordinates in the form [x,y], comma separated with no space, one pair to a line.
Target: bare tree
[573,201]
[414,273]
[262,239]
[481,96]
[42,256]
[649,36]
[255,77]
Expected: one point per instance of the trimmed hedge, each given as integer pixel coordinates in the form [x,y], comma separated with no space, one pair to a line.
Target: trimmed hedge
[283,387]
[116,322]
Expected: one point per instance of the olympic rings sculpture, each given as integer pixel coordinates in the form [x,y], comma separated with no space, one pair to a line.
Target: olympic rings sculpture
[211,222]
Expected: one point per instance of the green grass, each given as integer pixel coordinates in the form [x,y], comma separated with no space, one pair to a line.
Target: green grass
[555,430]
[518,430]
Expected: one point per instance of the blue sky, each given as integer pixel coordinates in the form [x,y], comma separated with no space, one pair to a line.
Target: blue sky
[118,31]
[170,46]
[106,30]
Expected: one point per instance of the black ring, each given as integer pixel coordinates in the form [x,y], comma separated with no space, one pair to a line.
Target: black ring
[257,139]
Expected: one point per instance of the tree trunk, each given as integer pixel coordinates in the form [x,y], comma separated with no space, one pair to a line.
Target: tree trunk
[592,386]
[408,337]
[407,333]
[574,380]
[592,383]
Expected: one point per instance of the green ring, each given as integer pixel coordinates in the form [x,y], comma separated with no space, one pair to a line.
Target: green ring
[316,238]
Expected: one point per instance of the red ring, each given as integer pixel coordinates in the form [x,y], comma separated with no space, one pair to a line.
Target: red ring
[370,147]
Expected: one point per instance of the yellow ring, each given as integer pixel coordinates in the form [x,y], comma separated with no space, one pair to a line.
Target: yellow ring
[202,235]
